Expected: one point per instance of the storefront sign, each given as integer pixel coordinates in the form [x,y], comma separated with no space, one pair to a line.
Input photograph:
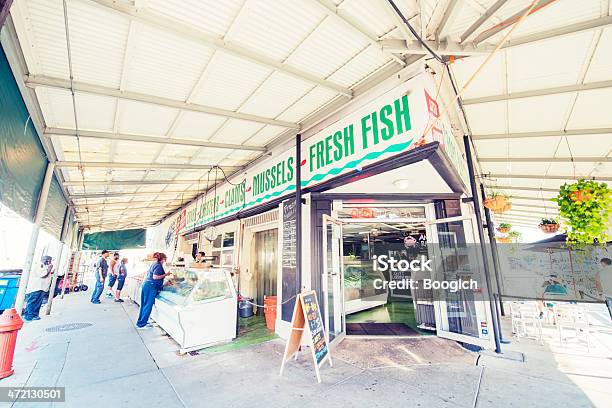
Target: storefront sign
[442,132]
[307,316]
[391,124]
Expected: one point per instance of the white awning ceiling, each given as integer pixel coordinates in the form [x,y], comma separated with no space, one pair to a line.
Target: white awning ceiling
[538,112]
[165,89]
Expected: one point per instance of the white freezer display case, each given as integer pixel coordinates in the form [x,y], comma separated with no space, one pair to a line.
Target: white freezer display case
[197,307]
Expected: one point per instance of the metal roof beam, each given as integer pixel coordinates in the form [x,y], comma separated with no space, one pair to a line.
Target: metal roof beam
[583,26]
[149,139]
[552,133]
[34,81]
[525,211]
[546,177]
[510,21]
[482,19]
[540,92]
[189,195]
[535,198]
[520,206]
[140,210]
[590,25]
[517,216]
[129,183]
[441,48]
[546,190]
[148,17]
[153,166]
[111,203]
[449,12]
[544,159]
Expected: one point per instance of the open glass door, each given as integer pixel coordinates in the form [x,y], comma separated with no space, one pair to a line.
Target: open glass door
[333,280]
[462,315]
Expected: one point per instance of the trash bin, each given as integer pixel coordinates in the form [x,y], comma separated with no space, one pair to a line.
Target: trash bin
[270,311]
[9,284]
[245,309]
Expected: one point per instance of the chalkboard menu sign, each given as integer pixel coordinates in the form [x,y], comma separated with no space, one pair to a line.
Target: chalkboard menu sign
[306,318]
[288,258]
[315,324]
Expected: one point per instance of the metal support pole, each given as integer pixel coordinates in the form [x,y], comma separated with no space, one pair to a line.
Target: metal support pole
[58,261]
[5,7]
[298,209]
[476,202]
[494,252]
[40,210]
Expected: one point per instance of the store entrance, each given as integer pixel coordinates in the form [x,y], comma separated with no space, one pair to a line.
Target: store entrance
[357,302]
[371,307]
[265,268]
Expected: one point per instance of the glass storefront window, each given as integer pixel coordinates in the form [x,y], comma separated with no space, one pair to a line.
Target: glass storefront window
[228,239]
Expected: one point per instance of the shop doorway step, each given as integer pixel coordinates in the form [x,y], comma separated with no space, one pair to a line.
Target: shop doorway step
[379,329]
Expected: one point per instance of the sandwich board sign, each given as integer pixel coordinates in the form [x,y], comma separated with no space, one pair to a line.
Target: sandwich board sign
[307,317]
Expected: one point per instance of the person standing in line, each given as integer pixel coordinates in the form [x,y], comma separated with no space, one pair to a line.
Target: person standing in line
[113,266]
[150,288]
[121,275]
[38,286]
[100,272]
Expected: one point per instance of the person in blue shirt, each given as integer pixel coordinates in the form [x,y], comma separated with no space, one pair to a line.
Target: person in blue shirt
[101,270]
[151,286]
[121,275]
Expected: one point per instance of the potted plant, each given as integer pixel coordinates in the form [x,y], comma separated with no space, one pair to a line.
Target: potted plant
[497,202]
[504,228]
[586,206]
[515,236]
[503,240]
[549,225]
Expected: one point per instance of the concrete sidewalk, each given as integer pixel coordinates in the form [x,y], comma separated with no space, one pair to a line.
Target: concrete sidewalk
[109,363]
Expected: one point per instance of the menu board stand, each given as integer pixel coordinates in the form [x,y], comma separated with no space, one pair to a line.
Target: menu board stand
[307,317]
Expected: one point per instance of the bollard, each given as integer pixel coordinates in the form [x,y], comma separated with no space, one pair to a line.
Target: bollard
[10,324]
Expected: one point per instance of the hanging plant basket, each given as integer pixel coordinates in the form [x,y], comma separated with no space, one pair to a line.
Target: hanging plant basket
[504,228]
[515,236]
[586,206]
[581,196]
[503,209]
[498,204]
[549,228]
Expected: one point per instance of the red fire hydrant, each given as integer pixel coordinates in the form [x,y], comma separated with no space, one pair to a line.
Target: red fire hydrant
[10,323]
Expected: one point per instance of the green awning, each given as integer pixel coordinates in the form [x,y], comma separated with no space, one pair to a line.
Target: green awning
[115,240]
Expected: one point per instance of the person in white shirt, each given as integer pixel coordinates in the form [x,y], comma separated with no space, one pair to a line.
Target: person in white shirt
[113,266]
[38,287]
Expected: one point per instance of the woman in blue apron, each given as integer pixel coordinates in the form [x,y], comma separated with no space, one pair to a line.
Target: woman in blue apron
[153,283]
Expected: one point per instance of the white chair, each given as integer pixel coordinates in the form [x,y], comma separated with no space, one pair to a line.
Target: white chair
[517,324]
[530,315]
[573,317]
[524,317]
